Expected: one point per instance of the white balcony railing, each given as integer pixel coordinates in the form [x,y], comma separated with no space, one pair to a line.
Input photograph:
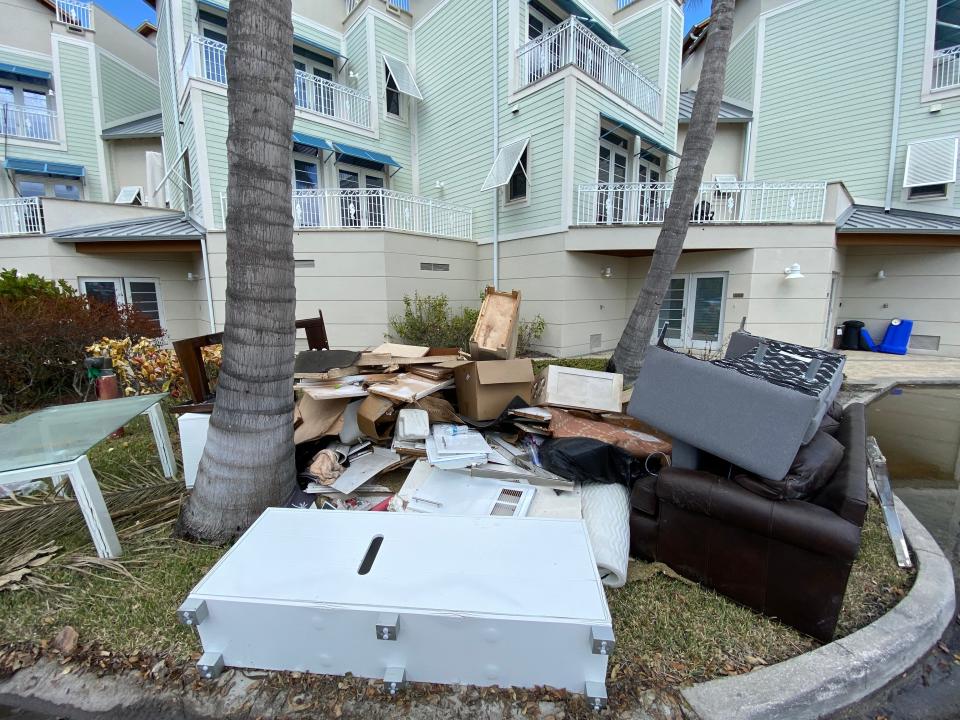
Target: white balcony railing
[77,14]
[752,202]
[351,4]
[207,59]
[377,209]
[331,99]
[946,68]
[573,43]
[21,216]
[24,121]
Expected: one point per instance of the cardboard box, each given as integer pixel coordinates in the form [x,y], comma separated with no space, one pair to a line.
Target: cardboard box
[495,334]
[484,388]
[580,389]
[376,417]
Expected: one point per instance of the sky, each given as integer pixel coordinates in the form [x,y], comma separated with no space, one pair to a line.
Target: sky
[133,12]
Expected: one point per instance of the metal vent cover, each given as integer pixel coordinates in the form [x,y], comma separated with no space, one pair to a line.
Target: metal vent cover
[931,162]
[925,342]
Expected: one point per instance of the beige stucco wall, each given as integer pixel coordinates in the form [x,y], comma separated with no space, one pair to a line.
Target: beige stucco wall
[181,298]
[128,164]
[128,45]
[62,214]
[922,284]
[726,155]
[26,25]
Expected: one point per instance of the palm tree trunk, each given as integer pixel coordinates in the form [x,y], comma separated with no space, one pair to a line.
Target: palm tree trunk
[248,461]
[628,356]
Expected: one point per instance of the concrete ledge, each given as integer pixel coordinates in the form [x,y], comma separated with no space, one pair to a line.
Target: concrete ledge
[846,670]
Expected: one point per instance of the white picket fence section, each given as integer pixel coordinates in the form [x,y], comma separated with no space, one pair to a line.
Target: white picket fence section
[31,123]
[375,209]
[573,43]
[946,68]
[21,216]
[752,202]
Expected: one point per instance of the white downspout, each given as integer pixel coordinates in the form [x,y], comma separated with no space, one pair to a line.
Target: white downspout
[496,141]
[895,125]
[206,281]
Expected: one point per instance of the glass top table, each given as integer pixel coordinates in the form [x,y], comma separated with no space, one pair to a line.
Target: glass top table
[54,442]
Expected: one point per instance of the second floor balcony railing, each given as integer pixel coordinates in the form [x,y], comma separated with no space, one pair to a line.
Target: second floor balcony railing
[75,13]
[376,209]
[207,59]
[573,43]
[751,202]
[30,123]
[21,216]
[946,68]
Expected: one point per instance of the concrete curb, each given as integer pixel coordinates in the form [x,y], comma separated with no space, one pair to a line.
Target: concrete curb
[846,670]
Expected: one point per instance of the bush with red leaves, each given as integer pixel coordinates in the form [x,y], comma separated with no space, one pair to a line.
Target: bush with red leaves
[42,341]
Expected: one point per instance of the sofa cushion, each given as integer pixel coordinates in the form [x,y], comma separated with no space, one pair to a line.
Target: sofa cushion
[846,493]
[643,498]
[812,468]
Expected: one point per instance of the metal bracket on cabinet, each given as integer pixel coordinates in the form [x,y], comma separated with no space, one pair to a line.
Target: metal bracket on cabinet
[192,612]
[602,640]
[596,695]
[210,665]
[387,626]
[394,679]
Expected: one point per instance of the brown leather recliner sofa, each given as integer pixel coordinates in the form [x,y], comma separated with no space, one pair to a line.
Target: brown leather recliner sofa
[786,558]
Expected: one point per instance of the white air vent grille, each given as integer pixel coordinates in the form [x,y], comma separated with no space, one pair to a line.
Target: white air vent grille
[512,502]
[931,162]
[925,342]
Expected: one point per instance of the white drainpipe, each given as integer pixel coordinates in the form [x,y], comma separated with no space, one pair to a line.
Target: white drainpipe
[207,283]
[496,141]
[895,125]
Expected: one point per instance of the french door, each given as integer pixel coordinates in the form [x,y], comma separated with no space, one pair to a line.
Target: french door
[141,293]
[361,203]
[611,169]
[693,311]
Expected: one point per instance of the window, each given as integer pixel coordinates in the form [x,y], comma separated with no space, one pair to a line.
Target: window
[947,29]
[927,192]
[517,187]
[49,187]
[505,164]
[393,94]
[305,175]
[142,293]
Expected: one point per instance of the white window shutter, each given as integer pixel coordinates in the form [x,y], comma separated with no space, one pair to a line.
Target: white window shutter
[504,164]
[402,76]
[931,162]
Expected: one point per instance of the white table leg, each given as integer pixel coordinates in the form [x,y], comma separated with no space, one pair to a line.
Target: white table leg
[94,509]
[162,438]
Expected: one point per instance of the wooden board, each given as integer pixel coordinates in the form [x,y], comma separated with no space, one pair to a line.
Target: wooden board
[495,334]
[333,374]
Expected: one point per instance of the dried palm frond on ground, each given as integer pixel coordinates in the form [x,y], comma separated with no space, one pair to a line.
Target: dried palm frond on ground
[19,571]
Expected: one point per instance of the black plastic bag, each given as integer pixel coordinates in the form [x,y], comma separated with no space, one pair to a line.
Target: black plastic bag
[589,460]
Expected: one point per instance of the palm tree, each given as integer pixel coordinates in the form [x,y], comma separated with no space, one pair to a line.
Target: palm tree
[633,344]
[248,461]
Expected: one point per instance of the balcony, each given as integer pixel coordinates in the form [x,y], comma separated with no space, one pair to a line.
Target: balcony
[718,203]
[27,122]
[573,43]
[75,14]
[946,68]
[207,59]
[376,209]
[21,216]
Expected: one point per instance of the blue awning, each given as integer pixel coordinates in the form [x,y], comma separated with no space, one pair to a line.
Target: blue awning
[308,43]
[593,23]
[19,72]
[368,155]
[634,131]
[311,141]
[40,167]
[222,7]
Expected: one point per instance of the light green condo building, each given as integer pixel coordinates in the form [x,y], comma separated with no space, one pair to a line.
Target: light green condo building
[443,145]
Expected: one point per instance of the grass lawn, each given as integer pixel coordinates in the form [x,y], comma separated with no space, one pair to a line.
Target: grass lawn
[669,632]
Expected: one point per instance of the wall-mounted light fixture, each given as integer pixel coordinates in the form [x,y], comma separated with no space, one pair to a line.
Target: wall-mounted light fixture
[606,272]
[881,275]
[792,272]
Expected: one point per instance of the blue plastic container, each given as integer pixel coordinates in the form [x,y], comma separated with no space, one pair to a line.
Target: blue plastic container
[897,337]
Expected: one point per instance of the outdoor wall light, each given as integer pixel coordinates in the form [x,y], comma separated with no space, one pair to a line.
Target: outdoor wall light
[792,272]
[606,272]
[881,275]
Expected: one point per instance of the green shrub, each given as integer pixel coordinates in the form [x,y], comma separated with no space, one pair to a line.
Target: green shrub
[429,320]
[21,287]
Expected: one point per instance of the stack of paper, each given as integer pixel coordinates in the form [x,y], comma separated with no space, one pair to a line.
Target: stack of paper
[456,446]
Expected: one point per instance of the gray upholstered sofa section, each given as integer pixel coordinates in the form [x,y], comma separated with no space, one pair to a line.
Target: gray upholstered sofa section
[754,424]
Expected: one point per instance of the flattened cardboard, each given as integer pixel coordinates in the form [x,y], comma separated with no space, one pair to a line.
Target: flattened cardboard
[376,417]
[404,351]
[408,387]
[495,333]
[318,418]
[485,388]
[579,389]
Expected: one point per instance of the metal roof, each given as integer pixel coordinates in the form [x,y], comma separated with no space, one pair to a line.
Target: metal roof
[162,227]
[867,219]
[729,111]
[147,127]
